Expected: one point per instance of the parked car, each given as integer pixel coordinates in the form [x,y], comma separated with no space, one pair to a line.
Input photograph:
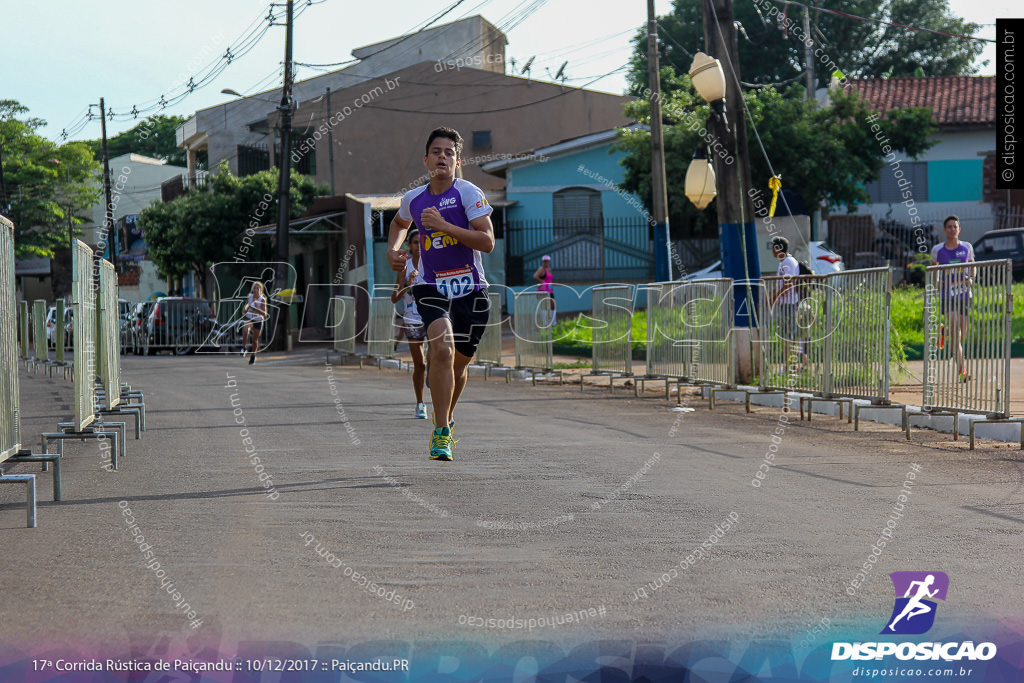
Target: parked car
[822,262]
[180,324]
[51,326]
[1002,244]
[124,314]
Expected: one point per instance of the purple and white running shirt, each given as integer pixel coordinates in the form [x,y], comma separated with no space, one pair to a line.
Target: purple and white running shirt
[451,267]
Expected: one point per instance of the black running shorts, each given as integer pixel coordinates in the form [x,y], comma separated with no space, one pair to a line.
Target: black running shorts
[468,314]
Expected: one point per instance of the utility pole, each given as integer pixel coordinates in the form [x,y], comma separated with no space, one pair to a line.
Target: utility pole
[808,62]
[108,207]
[809,75]
[735,210]
[284,181]
[659,190]
[330,140]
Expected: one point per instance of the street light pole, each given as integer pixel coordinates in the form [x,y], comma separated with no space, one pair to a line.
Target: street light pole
[735,209]
[108,207]
[284,181]
[3,186]
[659,189]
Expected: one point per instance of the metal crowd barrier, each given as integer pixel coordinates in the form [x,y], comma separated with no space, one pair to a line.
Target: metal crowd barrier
[833,343]
[488,353]
[11,450]
[108,335]
[667,353]
[858,329]
[708,314]
[39,344]
[689,332]
[23,328]
[489,350]
[611,333]
[974,302]
[792,335]
[59,334]
[114,398]
[183,326]
[531,324]
[225,329]
[380,332]
[667,356]
[343,322]
[83,301]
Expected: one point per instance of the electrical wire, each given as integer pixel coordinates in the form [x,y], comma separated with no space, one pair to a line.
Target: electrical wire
[249,38]
[847,15]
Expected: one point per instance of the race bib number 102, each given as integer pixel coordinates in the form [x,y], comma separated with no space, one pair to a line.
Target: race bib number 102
[454,283]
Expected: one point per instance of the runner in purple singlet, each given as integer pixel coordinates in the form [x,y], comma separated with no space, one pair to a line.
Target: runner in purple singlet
[453,219]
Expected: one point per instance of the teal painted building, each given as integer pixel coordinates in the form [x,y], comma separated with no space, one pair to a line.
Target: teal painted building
[566,200]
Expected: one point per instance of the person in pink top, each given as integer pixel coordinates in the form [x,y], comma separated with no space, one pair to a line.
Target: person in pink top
[544,277]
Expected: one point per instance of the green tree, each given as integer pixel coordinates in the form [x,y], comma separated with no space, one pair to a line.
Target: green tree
[153,137]
[45,183]
[207,225]
[827,154]
[861,49]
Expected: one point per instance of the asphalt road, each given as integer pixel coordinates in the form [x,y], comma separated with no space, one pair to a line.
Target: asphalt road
[556,503]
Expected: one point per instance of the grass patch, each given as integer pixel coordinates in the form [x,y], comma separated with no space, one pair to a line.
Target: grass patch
[906,326]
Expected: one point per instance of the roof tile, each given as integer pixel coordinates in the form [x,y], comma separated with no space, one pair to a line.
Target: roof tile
[954,100]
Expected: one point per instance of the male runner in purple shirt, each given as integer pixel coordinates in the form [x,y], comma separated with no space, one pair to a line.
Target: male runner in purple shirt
[454,223]
[955,288]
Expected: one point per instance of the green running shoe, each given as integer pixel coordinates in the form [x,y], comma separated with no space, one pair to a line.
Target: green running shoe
[441,444]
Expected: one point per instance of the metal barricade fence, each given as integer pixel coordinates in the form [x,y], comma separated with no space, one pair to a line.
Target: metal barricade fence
[972,302]
[668,354]
[10,430]
[532,316]
[225,329]
[611,333]
[39,330]
[858,329]
[792,333]
[343,310]
[183,325]
[108,335]
[60,335]
[708,314]
[23,327]
[126,327]
[489,350]
[380,332]
[84,311]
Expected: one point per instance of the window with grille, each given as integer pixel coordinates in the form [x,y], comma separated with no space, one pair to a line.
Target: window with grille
[577,210]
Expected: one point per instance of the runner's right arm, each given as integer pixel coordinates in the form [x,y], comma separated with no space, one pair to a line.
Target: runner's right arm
[396,238]
[401,284]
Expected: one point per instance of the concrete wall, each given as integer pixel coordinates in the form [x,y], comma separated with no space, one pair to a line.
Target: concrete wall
[379,145]
[135,184]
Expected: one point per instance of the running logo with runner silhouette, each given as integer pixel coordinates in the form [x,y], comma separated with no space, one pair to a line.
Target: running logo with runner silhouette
[914,611]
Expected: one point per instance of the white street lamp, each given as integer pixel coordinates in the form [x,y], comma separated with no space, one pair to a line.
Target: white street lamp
[709,80]
[700,180]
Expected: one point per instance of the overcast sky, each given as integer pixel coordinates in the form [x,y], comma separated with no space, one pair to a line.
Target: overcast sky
[61,55]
